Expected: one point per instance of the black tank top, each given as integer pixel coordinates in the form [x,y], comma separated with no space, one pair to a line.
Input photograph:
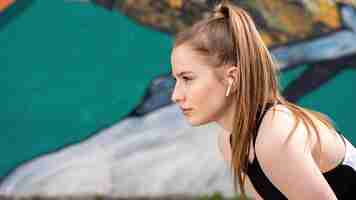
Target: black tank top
[342,178]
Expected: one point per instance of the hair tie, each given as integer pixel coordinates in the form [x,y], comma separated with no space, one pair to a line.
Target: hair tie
[222,9]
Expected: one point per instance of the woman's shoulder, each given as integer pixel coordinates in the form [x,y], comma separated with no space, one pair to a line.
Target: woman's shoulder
[280,109]
[279,126]
[277,116]
[280,122]
[285,155]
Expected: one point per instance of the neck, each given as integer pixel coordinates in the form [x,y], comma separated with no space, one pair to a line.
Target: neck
[227,119]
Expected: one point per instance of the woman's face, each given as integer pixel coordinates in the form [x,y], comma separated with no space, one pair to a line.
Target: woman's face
[197,87]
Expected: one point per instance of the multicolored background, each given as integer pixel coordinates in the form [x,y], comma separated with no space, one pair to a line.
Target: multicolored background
[71,68]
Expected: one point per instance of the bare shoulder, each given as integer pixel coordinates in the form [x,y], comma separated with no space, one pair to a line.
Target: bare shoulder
[286,156]
[276,126]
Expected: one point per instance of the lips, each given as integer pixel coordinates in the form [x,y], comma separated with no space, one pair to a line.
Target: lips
[186,110]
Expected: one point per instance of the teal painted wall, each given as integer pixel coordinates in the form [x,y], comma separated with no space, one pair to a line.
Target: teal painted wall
[68,70]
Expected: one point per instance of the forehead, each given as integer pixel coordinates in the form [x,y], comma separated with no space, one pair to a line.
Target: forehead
[184,59]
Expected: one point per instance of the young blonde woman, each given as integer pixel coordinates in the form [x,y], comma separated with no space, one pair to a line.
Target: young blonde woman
[225,74]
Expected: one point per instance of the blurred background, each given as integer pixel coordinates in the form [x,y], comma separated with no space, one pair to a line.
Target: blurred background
[73,72]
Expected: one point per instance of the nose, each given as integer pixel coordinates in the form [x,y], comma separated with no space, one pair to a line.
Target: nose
[176,94]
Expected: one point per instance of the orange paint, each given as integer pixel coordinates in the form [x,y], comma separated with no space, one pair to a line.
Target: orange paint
[5,3]
[328,14]
[175,3]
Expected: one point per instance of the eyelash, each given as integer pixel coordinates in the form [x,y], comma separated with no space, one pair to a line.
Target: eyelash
[186,78]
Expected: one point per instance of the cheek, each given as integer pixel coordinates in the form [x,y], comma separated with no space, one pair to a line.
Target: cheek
[208,94]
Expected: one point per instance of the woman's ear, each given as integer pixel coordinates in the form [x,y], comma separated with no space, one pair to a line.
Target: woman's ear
[232,74]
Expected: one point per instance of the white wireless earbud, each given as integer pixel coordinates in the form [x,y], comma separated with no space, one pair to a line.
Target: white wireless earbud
[228,89]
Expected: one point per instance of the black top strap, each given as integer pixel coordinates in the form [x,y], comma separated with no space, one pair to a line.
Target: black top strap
[258,122]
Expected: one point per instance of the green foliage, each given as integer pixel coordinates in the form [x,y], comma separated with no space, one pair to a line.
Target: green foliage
[217,196]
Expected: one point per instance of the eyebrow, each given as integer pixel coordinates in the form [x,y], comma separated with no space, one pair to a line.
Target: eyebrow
[181,73]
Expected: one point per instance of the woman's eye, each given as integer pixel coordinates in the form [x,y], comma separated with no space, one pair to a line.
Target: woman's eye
[186,78]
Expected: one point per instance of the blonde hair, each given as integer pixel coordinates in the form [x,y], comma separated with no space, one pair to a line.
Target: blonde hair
[230,36]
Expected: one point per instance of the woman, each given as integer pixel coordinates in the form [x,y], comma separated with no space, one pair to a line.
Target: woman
[225,74]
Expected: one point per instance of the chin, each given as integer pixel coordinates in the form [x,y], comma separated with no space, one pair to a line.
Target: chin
[196,122]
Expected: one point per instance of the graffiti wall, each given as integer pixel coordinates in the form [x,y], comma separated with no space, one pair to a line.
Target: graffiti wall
[85,88]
